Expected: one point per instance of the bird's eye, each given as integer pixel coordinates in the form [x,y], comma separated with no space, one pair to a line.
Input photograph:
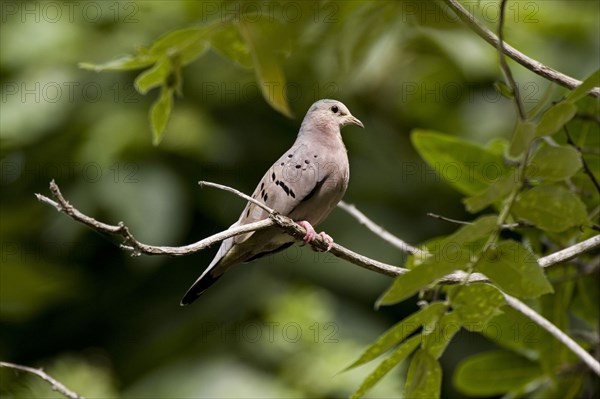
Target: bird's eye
[334,109]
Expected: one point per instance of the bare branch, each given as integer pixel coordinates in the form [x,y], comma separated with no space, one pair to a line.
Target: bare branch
[557,257]
[56,385]
[586,167]
[570,252]
[236,192]
[526,61]
[462,222]
[275,219]
[130,242]
[380,231]
[555,332]
[298,232]
[504,65]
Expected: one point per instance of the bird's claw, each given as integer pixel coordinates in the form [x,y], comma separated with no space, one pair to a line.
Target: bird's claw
[311,234]
[310,231]
[327,238]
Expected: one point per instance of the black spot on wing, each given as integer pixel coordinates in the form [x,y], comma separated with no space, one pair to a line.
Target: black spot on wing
[260,255]
[313,191]
[284,187]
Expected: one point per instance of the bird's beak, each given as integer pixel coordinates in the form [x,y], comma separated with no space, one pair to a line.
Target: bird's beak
[353,120]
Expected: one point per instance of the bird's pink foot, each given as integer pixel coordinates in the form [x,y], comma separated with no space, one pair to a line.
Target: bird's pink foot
[311,234]
[310,231]
[327,238]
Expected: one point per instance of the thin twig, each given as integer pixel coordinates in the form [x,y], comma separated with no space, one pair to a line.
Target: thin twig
[56,385]
[380,231]
[586,167]
[463,222]
[557,257]
[298,232]
[504,65]
[236,192]
[291,228]
[130,242]
[447,219]
[275,219]
[554,331]
[588,117]
[526,61]
[570,252]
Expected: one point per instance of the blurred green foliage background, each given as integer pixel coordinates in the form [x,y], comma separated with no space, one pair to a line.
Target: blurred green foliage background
[109,325]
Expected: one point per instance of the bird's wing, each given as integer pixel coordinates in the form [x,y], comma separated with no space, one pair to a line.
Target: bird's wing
[294,178]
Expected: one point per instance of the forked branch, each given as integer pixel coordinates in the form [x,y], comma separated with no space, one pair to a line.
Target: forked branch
[298,232]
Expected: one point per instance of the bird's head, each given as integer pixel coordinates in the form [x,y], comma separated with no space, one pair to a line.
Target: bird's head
[329,114]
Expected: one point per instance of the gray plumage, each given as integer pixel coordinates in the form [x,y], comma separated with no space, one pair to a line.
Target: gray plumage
[305,184]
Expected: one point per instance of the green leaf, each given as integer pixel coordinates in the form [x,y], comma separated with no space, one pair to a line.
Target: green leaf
[228,42]
[268,67]
[408,284]
[476,304]
[437,338]
[496,191]
[554,163]
[566,386]
[497,145]
[424,379]
[153,77]
[494,373]
[581,91]
[450,254]
[504,90]
[184,44]
[586,300]
[551,208]
[513,330]
[555,118]
[399,355]
[468,167]
[479,228]
[556,308]
[514,269]
[125,63]
[160,113]
[461,246]
[399,332]
[522,137]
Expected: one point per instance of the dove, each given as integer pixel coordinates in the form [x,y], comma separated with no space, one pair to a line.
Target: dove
[305,184]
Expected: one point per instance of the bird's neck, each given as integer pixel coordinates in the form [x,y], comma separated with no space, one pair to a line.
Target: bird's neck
[322,133]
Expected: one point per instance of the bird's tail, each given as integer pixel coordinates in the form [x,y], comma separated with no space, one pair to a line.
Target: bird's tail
[203,283]
[212,273]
